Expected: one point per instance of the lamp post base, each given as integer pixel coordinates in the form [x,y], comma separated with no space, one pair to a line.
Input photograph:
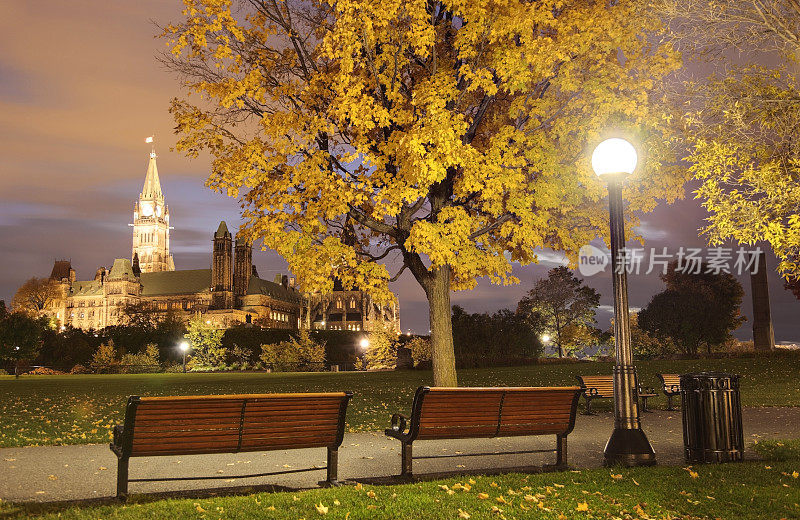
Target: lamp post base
[629,447]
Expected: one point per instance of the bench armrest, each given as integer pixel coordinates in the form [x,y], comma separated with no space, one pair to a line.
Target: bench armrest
[591,392]
[646,390]
[673,389]
[116,439]
[399,422]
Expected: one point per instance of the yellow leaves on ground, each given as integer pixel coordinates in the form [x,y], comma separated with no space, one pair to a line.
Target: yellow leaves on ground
[321,509]
[582,506]
[483,496]
[463,514]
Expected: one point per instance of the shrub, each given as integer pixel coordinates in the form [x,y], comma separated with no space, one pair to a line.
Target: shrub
[79,369]
[3,372]
[299,353]
[206,341]
[382,351]
[420,350]
[143,361]
[44,371]
[104,359]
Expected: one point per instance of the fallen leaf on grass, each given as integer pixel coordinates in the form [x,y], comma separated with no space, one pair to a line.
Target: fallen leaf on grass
[582,506]
[463,514]
[321,509]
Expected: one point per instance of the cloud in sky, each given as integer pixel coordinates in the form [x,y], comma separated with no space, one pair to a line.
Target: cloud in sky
[80,90]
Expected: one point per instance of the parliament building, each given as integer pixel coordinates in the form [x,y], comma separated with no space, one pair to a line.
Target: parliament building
[230,292]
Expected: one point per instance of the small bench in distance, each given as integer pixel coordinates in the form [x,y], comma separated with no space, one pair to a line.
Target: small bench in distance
[463,413]
[602,387]
[205,424]
[671,385]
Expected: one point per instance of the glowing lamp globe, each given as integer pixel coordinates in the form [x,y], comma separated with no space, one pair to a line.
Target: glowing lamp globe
[364,343]
[184,347]
[545,338]
[613,157]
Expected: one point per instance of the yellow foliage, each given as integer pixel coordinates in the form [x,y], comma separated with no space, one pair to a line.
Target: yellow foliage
[453,135]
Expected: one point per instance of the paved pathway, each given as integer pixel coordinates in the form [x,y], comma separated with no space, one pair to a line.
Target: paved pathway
[55,473]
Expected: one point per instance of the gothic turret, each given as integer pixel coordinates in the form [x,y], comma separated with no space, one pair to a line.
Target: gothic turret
[222,269]
[151,224]
[243,267]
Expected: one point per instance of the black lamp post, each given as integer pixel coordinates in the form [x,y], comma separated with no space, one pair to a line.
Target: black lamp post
[613,160]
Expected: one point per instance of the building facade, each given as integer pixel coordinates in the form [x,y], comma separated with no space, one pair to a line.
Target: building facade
[229,293]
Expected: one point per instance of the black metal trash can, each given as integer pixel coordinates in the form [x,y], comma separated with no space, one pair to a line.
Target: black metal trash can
[712,417]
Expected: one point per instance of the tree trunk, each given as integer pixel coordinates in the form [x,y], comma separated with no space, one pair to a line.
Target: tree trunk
[444,359]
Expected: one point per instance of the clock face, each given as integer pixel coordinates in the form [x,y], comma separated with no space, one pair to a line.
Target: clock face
[147,209]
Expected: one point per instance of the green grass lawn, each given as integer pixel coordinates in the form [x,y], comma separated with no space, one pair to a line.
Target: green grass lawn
[768,489]
[41,410]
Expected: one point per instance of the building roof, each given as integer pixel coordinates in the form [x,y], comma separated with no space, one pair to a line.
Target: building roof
[152,184]
[222,230]
[87,288]
[122,268]
[187,281]
[60,270]
[275,290]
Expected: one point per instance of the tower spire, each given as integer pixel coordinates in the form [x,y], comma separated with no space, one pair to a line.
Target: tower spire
[152,184]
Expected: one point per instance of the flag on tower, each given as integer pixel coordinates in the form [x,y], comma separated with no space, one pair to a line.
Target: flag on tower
[148,139]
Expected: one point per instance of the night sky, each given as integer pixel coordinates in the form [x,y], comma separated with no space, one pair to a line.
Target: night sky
[80,90]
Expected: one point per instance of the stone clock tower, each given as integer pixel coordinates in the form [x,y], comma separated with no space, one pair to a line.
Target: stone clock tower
[151,224]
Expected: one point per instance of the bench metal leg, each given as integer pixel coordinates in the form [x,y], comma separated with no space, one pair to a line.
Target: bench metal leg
[333,466]
[561,451]
[122,478]
[588,409]
[644,403]
[669,403]
[406,460]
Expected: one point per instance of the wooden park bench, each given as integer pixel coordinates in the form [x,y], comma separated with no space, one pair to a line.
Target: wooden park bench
[602,387]
[462,413]
[205,424]
[671,384]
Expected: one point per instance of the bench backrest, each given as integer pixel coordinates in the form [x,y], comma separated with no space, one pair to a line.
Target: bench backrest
[453,413]
[671,382]
[603,384]
[232,423]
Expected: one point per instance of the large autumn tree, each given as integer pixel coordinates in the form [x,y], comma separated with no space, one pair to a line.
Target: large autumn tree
[450,138]
[742,114]
[36,295]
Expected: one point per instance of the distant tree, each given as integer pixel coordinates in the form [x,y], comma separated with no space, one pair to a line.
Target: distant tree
[741,118]
[694,310]
[20,336]
[646,345]
[563,306]
[206,343]
[105,358]
[381,353]
[35,295]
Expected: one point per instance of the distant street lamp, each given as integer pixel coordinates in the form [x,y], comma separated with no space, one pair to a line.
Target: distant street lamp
[613,160]
[545,338]
[184,348]
[364,344]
